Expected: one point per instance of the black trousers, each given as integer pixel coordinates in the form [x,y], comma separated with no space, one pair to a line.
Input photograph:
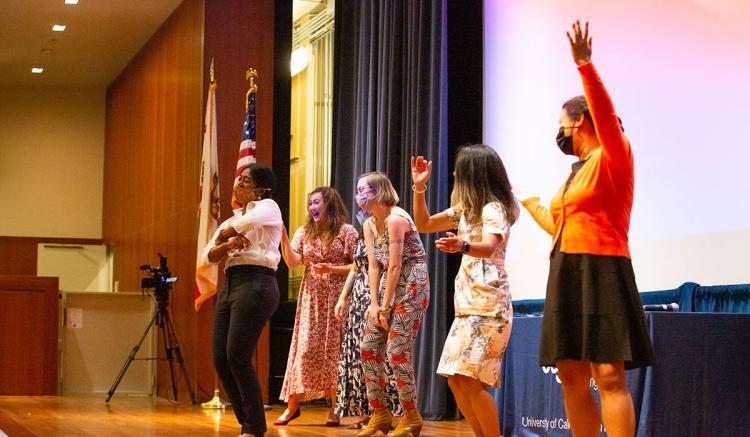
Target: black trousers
[248,299]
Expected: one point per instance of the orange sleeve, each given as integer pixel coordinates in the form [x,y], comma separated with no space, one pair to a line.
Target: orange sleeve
[540,214]
[608,129]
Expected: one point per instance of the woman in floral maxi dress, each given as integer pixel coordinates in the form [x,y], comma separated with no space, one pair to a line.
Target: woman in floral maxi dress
[325,245]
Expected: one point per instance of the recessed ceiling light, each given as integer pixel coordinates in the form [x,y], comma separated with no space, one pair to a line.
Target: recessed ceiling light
[71,2]
[37,70]
[58,27]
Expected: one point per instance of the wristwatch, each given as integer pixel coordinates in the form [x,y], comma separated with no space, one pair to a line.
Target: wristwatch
[466,248]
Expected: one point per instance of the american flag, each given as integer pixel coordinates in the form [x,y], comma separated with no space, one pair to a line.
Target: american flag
[247,145]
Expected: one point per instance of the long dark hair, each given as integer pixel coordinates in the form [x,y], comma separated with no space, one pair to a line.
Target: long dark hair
[335,212]
[480,178]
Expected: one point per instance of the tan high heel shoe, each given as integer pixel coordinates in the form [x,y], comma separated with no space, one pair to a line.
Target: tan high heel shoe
[380,421]
[410,424]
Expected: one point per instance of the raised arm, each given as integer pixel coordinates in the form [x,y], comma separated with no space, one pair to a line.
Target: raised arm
[291,257]
[426,223]
[608,127]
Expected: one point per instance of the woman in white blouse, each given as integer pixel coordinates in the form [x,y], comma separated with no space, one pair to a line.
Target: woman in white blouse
[249,241]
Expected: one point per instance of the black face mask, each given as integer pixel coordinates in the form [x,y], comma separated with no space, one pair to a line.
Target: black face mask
[565,143]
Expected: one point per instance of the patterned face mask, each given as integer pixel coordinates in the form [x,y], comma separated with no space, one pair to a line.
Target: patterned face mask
[362,198]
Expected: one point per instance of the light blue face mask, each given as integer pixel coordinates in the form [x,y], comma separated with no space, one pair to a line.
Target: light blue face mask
[362,216]
[362,198]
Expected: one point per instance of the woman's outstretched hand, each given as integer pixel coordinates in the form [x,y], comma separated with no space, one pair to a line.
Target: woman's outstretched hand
[580,43]
[450,243]
[420,171]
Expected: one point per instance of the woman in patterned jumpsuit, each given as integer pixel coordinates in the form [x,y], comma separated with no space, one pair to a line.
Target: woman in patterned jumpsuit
[399,293]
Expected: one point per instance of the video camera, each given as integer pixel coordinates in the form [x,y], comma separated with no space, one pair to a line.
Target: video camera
[160,277]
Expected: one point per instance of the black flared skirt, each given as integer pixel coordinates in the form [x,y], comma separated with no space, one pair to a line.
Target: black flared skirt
[593,312]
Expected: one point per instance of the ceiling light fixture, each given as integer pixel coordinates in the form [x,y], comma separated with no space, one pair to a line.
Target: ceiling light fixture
[37,70]
[71,2]
[58,27]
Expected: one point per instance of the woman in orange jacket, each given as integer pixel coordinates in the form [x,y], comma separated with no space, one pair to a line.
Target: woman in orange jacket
[594,324]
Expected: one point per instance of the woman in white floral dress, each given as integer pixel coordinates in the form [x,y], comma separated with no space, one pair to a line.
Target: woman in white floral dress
[482,209]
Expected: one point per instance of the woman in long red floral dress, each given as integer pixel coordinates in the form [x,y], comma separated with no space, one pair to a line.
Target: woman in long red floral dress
[324,245]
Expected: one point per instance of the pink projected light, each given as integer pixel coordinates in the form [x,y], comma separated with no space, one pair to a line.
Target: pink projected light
[678,72]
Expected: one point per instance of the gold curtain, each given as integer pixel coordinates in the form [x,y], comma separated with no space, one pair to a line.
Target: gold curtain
[312,128]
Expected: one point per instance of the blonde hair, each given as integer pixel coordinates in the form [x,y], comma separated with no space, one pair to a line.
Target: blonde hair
[382,186]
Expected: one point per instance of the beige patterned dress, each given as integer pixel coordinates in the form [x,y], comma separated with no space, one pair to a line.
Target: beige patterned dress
[484,313]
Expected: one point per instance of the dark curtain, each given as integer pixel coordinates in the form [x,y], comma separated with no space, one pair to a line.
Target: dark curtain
[390,103]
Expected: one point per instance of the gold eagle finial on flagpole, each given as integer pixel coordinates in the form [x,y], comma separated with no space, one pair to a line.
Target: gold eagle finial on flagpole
[211,76]
[252,75]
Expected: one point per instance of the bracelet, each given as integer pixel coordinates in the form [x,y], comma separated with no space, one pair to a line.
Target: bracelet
[383,310]
[414,188]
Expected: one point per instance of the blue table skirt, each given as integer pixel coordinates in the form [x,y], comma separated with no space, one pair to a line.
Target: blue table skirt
[700,385]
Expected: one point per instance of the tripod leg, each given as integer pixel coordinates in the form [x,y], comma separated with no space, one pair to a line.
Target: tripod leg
[168,349]
[173,345]
[130,358]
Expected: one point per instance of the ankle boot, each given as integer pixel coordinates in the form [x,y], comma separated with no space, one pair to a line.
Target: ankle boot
[380,421]
[410,424]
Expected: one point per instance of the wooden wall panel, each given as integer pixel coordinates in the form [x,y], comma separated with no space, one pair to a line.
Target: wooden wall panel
[240,35]
[153,146]
[28,345]
[152,158]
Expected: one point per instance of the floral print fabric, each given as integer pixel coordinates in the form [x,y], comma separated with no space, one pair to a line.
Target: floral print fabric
[484,311]
[351,390]
[312,366]
[411,299]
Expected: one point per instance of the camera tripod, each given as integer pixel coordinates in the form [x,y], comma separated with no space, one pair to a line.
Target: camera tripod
[171,345]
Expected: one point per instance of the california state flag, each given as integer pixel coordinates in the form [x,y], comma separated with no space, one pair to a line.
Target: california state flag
[207,273]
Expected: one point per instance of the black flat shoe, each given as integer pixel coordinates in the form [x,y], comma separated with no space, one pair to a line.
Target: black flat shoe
[283,422]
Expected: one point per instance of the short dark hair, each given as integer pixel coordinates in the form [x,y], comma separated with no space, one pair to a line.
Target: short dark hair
[577,106]
[264,178]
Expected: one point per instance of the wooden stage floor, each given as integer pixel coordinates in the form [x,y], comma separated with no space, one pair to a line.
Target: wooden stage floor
[22,416]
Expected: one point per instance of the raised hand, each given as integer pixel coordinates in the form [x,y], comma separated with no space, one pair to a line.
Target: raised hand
[420,171]
[580,43]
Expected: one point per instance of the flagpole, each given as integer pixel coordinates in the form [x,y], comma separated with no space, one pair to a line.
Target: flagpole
[216,402]
[251,75]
